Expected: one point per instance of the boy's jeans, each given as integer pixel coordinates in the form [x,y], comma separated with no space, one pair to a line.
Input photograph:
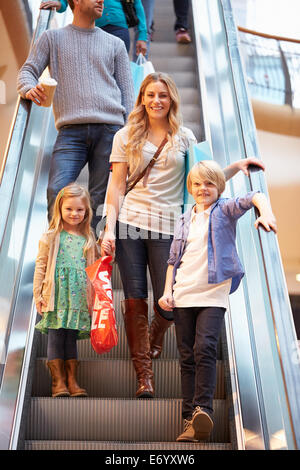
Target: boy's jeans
[197,331]
[75,146]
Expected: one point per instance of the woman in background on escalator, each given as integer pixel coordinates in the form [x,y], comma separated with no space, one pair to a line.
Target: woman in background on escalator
[62,293]
[140,226]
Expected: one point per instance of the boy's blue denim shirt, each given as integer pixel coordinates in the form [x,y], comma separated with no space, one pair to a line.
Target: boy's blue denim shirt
[223,259]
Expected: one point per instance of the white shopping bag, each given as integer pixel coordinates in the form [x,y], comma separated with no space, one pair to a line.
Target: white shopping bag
[140,69]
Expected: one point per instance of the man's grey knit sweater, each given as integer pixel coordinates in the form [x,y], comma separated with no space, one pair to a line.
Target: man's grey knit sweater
[93,74]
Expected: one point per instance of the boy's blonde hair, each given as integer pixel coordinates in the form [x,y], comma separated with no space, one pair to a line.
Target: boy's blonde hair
[56,223]
[207,170]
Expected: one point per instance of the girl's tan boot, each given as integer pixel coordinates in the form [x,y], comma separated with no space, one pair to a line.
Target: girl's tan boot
[57,370]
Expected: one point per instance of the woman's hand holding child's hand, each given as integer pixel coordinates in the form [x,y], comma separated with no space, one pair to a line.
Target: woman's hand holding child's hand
[166,302]
[108,244]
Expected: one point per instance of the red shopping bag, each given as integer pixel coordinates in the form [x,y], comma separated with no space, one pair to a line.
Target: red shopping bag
[104,335]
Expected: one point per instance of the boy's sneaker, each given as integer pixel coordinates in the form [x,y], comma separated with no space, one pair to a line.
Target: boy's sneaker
[183,36]
[202,424]
[188,434]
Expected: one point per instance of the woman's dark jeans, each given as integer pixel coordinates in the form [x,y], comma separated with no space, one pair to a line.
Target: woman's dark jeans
[197,331]
[135,250]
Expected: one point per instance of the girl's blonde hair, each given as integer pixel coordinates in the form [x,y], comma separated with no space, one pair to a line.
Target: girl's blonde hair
[56,223]
[207,170]
[138,121]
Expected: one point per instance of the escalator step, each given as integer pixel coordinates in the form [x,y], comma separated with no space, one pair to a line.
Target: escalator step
[102,445]
[120,351]
[93,419]
[174,64]
[120,381]
[172,49]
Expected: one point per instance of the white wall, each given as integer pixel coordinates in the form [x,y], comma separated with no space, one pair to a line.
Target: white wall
[281,155]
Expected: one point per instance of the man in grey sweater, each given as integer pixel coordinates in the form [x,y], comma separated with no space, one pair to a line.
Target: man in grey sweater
[93,98]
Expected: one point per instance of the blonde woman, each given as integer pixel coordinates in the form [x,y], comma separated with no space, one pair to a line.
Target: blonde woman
[140,226]
[61,291]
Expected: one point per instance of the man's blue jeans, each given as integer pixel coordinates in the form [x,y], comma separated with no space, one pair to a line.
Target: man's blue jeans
[77,145]
[197,332]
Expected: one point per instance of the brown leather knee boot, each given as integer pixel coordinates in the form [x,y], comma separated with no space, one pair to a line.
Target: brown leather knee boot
[135,313]
[58,374]
[158,328]
[71,366]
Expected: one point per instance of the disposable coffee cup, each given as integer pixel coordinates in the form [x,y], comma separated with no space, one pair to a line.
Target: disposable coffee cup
[49,85]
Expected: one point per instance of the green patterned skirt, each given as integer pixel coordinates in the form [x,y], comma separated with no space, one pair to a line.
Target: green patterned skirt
[71,309]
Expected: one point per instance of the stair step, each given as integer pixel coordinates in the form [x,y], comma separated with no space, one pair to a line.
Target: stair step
[191,112]
[111,445]
[189,95]
[94,419]
[165,35]
[171,49]
[184,79]
[174,64]
[115,378]
[121,350]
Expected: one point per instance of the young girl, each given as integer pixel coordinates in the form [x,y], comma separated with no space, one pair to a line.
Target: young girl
[203,269]
[62,294]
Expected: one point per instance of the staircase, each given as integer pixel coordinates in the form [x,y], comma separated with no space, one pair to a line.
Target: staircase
[110,417]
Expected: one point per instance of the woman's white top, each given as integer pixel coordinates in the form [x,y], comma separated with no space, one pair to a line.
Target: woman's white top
[191,288]
[155,204]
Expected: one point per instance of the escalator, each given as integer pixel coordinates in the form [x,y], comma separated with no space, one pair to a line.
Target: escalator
[257,395]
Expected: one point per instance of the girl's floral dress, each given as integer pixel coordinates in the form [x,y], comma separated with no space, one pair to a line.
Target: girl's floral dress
[71,309]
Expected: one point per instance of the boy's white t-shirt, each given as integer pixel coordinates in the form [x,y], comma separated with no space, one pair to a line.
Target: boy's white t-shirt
[191,288]
[156,205]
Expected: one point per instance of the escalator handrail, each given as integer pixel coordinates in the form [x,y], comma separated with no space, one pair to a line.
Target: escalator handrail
[264,338]
[13,152]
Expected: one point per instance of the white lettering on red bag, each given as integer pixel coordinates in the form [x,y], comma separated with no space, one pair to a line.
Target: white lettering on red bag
[104,277]
[100,313]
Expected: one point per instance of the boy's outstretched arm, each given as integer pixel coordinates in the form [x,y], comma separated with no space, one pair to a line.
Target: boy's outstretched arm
[266,218]
[242,165]
[166,301]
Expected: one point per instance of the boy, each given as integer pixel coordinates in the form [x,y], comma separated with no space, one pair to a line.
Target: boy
[204,268]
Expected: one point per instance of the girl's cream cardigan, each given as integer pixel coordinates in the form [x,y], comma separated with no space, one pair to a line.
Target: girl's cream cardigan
[44,274]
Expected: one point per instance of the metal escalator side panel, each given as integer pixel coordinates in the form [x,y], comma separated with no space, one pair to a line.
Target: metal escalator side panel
[276,293]
[23,219]
[26,221]
[11,159]
[261,382]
